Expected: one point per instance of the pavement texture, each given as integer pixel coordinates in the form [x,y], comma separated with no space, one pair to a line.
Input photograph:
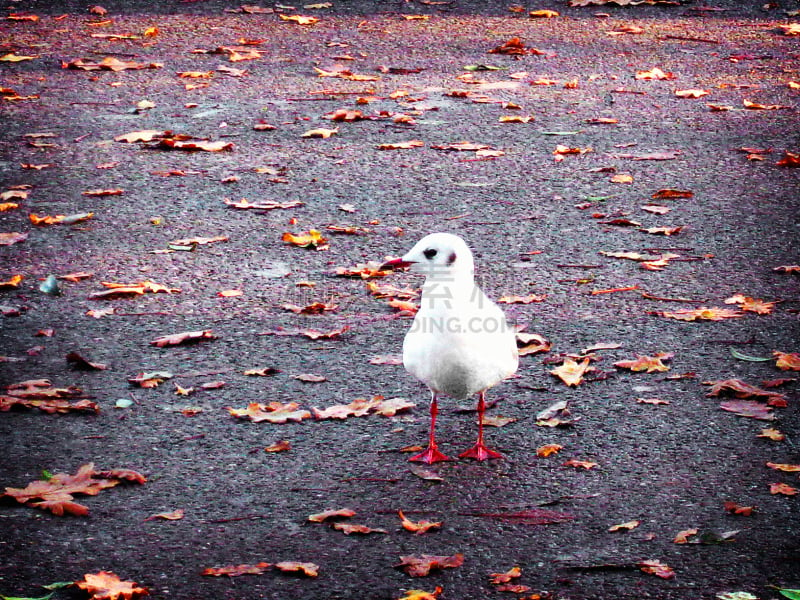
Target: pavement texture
[538,222]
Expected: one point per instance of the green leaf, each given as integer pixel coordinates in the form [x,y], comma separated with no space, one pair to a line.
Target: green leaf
[46,475]
[58,585]
[740,356]
[47,597]
[791,594]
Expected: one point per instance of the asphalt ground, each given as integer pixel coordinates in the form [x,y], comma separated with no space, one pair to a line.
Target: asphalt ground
[529,219]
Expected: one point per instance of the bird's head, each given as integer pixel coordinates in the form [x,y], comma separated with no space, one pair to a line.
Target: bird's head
[439,255]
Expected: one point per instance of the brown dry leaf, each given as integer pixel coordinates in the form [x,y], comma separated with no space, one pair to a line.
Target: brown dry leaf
[49,406]
[145,135]
[14,237]
[310,378]
[543,14]
[749,408]
[658,263]
[691,93]
[786,468]
[622,178]
[531,343]
[363,270]
[341,513]
[105,585]
[788,269]
[387,290]
[755,106]
[311,239]
[602,121]
[580,464]
[516,119]
[349,528]
[79,362]
[274,412]
[320,132]
[651,364]
[514,46]
[418,527]
[422,594]
[663,230]
[498,421]
[630,525]
[667,193]
[737,509]
[387,359]
[281,446]
[236,570]
[500,578]
[522,299]
[782,488]
[56,493]
[790,159]
[653,74]
[309,333]
[245,204]
[571,372]
[194,145]
[787,361]
[422,565]
[109,63]
[150,380]
[657,568]
[175,515]
[401,145]
[654,401]
[315,308]
[740,389]
[301,568]
[462,147]
[561,150]
[548,450]
[702,314]
[196,74]
[263,372]
[186,337]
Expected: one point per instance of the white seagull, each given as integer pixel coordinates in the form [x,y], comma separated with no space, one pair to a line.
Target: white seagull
[459,343]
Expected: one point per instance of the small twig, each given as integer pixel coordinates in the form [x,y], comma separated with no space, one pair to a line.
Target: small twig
[457,217]
[630,288]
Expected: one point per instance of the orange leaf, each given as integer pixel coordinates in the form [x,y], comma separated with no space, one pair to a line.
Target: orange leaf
[625,526]
[402,145]
[331,514]
[167,516]
[320,133]
[281,446]
[580,464]
[654,567]
[548,449]
[787,361]
[422,565]
[105,585]
[786,468]
[772,434]
[349,528]
[418,527]
[669,193]
[737,509]
[512,573]
[311,239]
[782,488]
[654,73]
[302,568]
[691,93]
[299,19]
[703,314]
[682,537]
[274,412]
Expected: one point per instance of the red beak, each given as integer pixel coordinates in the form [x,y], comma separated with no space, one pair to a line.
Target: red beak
[396,263]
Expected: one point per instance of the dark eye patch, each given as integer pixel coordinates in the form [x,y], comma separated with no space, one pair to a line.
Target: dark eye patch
[430,253]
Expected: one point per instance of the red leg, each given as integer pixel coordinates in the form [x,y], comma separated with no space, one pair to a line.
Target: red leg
[479,451]
[431,454]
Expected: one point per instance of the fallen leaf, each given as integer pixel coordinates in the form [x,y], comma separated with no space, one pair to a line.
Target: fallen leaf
[320,133]
[79,362]
[11,283]
[790,159]
[299,19]
[150,380]
[651,364]
[657,568]
[755,106]
[522,299]
[245,204]
[782,488]
[186,337]
[6,239]
[654,73]
[146,135]
[274,412]
[655,401]
[418,527]
[543,14]
[665,194]
[703,314]
[350,528]
[105,585]
[401,145]
[311,239]
[309,378]
[315,308]
[422,565]
[309,333]
[737,509]
[691,93]
[740,389]
[56,493]
[772,434]
[749,408]
[548,450]
[630,525]
[580,464]
[531,343]
[175,515]
[682,537]
[422,594]
[341,513]
[263,372]
[663,230]
[571,372]
[236,570]
[194,145]
[301,568]
[787,361]
[786,468]
[109,63]
[281,446]
[499,578]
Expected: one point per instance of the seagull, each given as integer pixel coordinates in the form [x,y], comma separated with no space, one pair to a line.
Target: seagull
[459,343]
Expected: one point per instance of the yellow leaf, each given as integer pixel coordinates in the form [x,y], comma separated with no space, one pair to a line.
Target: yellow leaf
[320,133]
